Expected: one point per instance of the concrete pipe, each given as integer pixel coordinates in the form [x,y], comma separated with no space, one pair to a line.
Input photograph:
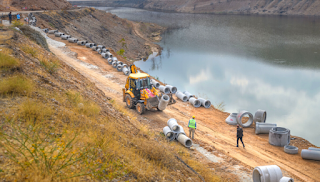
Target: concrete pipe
[178,132]
[109,60]
[310,154]
[106,55]
[239,118]
[52,31]
[264,127]
[99,51]
[90,45]
[155,83]
[173,124]
[184,140]
[181,96]
[58,34]
[279,136]
[95,48]
[189,95]
[163,102]
[205,103]
[164,89]
[168,133]
[119,67]
[81,43]
[65,37]
[290,149]
[232,119]
[286,179]
[195,102]
[172,89]
[104,50]
[73,40]
[126,71]
[45,30]
[260,116]
[312,148]
[270,173]
[101,46]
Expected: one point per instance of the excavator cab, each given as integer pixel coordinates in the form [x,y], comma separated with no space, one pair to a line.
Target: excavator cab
[139,92]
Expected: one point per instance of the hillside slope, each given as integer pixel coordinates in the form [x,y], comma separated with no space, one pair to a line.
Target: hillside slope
[17,5]
[270,7]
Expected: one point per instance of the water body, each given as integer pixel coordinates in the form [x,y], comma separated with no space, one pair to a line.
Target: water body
[247,62]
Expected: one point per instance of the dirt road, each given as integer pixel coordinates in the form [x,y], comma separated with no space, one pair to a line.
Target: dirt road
[213,134]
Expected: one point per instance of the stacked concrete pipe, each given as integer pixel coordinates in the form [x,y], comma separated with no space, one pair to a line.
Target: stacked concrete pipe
[107,55]
[184,140]
[232,119]
[270,173]
[58,34]
[73,40]
[264,128]
[168,133]
[181,96]
[195,102]
[189,95]
[179,131]
[65,37]
[172,89]
[260,116]
[104,50]
[164,89]
[205,103]
[163,102]
[239,118]
[173,124]
[120,67]
[99,51]
[82,42]
[109,60]
[90,45]
[52,31]
[101,46]
[126,71]
[175,131]
[155,83]
[279,136]
[94,48]
[311,153]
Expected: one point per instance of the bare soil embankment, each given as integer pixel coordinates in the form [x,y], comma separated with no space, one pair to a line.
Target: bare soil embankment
[213,134]
[18,5]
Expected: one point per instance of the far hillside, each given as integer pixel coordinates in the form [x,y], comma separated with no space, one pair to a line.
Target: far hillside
[18,5]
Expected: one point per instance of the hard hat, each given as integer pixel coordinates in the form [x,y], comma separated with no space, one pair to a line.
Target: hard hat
[193,117]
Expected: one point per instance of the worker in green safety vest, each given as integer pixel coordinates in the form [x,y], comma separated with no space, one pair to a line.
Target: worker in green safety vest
[192,126]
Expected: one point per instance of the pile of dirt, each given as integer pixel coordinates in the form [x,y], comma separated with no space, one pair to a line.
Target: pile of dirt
[105,29]
[18,5]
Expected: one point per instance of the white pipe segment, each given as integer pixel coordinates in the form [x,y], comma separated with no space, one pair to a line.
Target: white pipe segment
[119,67]
[189,95]
[109,60]
[168,133]
[181,96]
[94,48]
[58,34]
[52,31]
[290,149]
[260,116]
[89,45]
[73,40]
[239,118]
[163,102]
[101,46]
[126,71]
[45,30]
[264,127]
[279,136]
[155,83]
[173,124]
[195,102]
[286,179]
[99,51]
[270,173]
[184,140]
[65,37]
[179,131]
[105,50]
[172,89]
[232,119]
[115,63]
[205,103]
[310,154]
[164,89]
[312,148]
[81,43]
[106,55]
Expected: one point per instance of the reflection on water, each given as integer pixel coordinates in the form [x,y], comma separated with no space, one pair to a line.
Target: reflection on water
[248,62]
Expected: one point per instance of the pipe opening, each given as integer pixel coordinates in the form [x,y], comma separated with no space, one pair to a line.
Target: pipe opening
[165,97]
[256,176]
[188,143]
[207,104]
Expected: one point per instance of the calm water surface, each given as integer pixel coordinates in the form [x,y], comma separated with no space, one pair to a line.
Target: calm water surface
[247,62]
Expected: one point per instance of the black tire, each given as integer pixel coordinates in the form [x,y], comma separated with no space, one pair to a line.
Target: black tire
[140,108]
[129,101]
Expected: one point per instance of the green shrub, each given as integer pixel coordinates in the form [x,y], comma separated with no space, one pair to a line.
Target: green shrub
[8,62]
[51,67]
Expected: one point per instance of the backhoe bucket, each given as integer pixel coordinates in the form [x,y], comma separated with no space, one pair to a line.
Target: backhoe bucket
[152,102]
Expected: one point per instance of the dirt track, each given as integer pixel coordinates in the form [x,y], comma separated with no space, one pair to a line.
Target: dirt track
[212,133]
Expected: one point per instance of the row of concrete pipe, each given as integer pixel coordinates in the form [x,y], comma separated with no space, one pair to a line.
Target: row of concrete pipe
[175,132]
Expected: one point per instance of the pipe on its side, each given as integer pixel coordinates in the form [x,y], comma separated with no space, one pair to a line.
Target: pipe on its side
[232,119]
[260,116]
[195,102]
[248,123]
[168,133]
[163,102]
[286,179]
[173,125]
[310,154]
[65,37]
[155,83]
[264,127]
[95,48]
[89,45]
[312,148]
[101,46]
[73,40]
[164,89]
[188,94]
[58,34]
[52,31]
[205,103]
[172,89]
[104,50]
[270,173]
[126,71]
[181,96]
[184,140]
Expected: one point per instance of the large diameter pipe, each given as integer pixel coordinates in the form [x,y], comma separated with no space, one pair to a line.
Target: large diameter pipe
[120,67]
[195,102]
[168,133]
[286,179]
[81,43]
[264,127]
[126,71]
[52,31]
[260,116]
[155,83]
[205,103]
[89,45]
[104,50]
[312,148]
[95,48]
[45,30]
[310,154]
[65,37]
[101,46]
[184,140]
[239,119]
[73,40]
[181,96]
[270,173]
[179,131]
[188,94]
[163,102]
[58,34]
[232,119]
[109,60]
[172,89]
[106,55]
[279,136]
[164,89]
[173,125]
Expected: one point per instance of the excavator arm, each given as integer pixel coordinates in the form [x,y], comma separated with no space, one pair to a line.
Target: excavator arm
[133,68]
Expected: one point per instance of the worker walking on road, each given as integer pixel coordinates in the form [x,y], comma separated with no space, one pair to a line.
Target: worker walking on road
[192,126]
[10,17]
[239,135]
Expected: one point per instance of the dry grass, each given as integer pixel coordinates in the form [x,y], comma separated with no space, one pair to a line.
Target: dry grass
[34,111]
[29,50]
[81,105]
[17,23]
[7,61]
[17,84]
